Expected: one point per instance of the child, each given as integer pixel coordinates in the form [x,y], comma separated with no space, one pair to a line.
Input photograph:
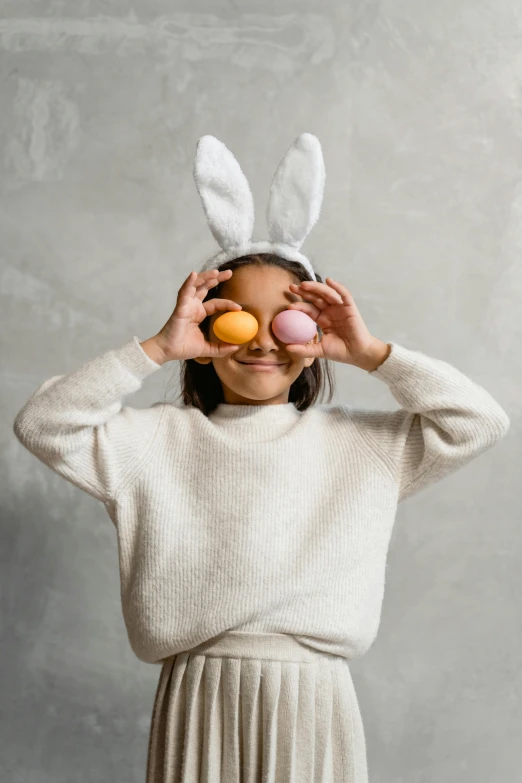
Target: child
[253,524]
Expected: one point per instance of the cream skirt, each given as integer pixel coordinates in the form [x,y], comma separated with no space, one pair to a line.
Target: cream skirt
[256,708]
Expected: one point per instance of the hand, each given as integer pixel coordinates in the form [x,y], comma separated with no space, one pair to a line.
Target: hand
[345,336]
[181,337]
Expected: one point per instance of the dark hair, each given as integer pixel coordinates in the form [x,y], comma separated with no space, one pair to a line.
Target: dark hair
[200,384]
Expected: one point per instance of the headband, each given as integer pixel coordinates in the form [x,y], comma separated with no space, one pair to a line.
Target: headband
[294,205]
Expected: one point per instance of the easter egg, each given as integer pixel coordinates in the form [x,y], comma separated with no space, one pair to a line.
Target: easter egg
[235,327]
[294,326]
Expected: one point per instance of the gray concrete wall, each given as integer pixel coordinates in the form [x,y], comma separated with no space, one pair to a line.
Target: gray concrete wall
[417,106]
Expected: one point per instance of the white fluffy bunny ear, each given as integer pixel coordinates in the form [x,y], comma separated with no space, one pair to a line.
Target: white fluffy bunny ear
[225,193]
[296,193]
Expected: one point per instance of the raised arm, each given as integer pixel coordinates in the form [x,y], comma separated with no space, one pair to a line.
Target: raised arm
[77,425]
[445,421]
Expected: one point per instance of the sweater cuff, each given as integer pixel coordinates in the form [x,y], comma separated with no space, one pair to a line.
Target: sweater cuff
[132,356]
[400,361]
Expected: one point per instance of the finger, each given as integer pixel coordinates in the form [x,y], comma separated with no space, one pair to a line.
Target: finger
[190,285]
[211,274]
[209,279]
[317,292]
[203,289]
[215,305]
[217,350]
[187,288]
[318,301]
[206,277]
[189,282]
[306,307]
[342,290]
[308,351]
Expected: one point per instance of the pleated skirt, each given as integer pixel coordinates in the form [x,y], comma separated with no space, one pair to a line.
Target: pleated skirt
[256,708]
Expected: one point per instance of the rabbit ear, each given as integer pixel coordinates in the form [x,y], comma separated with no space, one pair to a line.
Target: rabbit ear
[225,193]
[296,193]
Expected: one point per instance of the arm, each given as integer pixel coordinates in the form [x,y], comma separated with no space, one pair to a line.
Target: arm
[445,421]
[76,423]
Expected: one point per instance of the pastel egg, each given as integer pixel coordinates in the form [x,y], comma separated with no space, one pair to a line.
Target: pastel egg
[294,326]
[235,326]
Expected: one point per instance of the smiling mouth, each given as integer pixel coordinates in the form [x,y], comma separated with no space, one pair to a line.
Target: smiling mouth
[261,365]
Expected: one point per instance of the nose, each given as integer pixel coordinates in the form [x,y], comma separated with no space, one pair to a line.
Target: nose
[264,338]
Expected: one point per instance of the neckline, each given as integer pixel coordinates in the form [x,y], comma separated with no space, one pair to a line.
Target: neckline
[226,410]
[238,419]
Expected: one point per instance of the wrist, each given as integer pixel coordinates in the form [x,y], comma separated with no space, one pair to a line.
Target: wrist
[154,350]
[377,353]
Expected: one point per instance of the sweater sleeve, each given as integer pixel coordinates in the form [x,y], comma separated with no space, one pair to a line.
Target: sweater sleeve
[77,425]
[445,421]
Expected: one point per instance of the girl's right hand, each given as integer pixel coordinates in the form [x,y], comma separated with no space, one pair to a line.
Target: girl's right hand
[181,337]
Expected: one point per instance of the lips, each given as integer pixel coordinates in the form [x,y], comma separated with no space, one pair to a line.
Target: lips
[263,364]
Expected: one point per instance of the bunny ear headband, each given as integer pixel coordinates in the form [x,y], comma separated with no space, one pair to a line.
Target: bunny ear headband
[296,195]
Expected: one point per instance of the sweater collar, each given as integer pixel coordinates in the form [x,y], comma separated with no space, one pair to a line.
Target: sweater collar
[262,421]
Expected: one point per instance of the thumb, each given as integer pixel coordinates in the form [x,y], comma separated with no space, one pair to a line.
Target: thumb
[225,350]
[309,351]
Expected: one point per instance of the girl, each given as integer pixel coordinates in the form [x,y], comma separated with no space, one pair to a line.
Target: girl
[253,523]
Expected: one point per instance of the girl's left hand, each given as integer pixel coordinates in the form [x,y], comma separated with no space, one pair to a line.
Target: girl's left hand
[345,335]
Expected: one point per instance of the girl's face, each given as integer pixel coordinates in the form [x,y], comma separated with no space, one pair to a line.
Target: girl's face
[263,292]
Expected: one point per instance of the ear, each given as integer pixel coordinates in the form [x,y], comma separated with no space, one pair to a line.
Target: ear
[225,193]
[296,193]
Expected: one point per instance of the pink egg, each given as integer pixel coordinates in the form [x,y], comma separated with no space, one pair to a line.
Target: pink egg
[294,326]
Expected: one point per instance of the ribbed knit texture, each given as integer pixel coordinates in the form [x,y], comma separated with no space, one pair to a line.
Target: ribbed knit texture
[252,708]
[258,518]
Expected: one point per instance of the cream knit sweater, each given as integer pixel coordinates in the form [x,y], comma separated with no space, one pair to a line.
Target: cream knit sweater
[257,518]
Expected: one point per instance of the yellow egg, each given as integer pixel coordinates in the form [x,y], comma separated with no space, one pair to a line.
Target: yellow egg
[235,327]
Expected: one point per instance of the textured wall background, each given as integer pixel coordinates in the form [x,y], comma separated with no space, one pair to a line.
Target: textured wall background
[418,108]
